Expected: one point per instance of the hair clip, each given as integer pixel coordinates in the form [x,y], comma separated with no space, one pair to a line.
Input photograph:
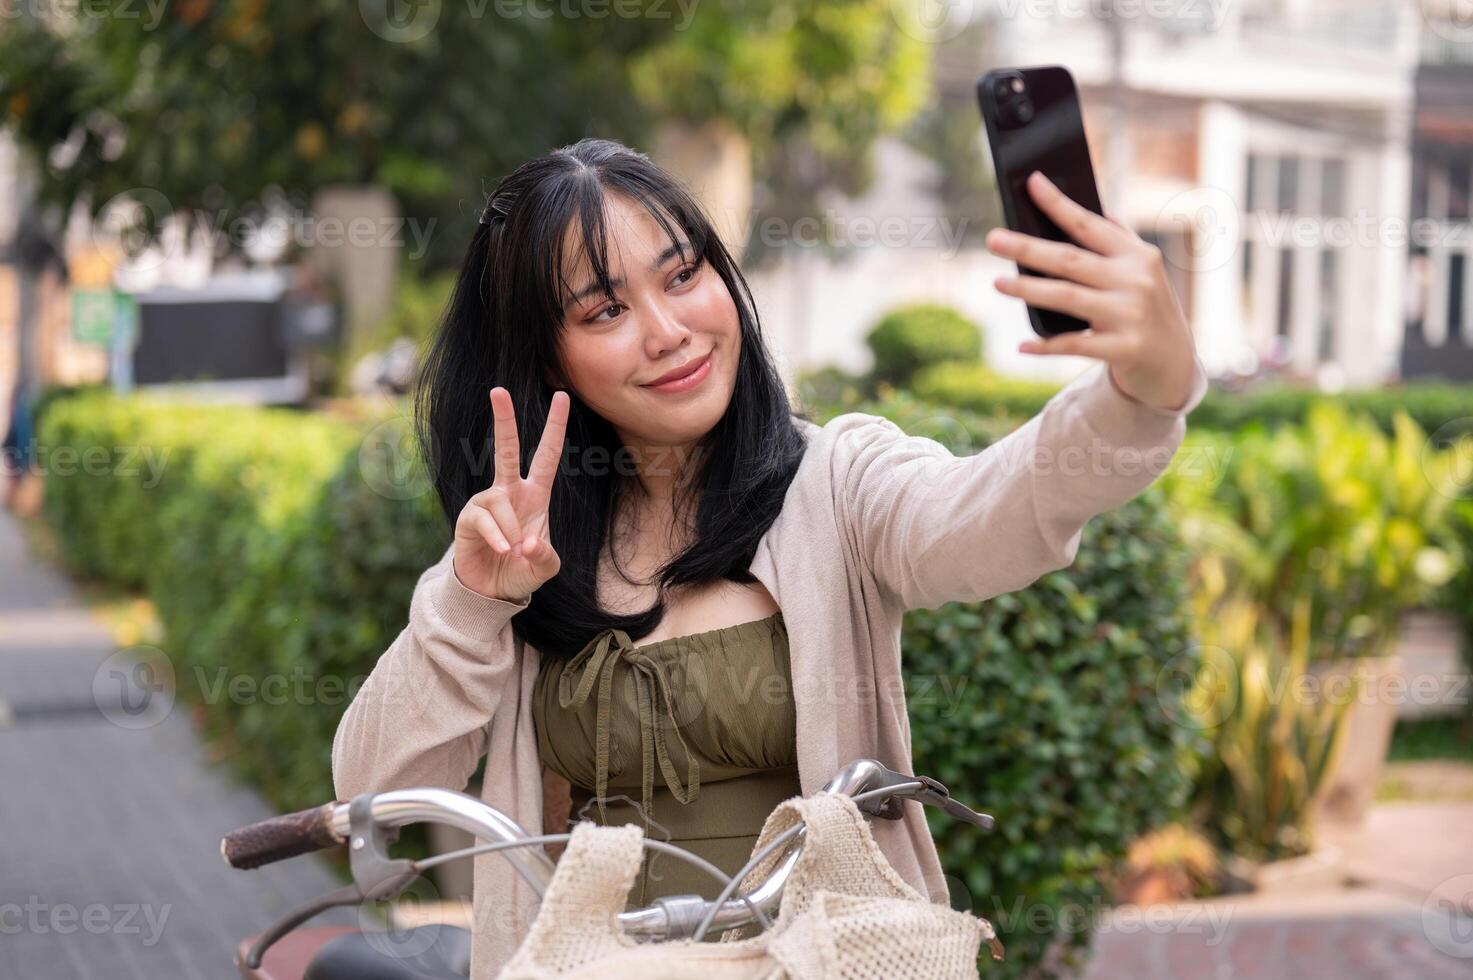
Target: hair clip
[495,209]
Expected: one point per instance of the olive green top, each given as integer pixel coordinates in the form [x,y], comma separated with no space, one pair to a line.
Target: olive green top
[712,713]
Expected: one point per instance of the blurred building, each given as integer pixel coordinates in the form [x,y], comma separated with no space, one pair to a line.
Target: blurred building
[1279,153]
[1439,337]
[1265,146]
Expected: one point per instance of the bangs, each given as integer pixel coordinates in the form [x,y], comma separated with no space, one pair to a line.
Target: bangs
[587,205]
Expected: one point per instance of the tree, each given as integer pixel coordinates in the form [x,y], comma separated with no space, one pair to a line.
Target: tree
[217,105]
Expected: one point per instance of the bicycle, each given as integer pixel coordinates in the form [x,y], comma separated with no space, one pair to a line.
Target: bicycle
[370,822]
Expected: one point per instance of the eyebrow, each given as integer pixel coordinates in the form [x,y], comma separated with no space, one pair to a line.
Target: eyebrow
[591,289]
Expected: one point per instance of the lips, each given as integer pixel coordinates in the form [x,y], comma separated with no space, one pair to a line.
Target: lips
[684,370]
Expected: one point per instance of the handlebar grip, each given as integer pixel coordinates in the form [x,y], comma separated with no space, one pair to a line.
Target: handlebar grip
[279,838]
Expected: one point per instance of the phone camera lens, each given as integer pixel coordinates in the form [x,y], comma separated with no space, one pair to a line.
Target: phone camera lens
[1025,110]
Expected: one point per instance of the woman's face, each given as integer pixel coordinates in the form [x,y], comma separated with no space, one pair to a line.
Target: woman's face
[669,313]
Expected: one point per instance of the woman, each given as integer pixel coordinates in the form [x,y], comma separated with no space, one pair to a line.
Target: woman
[677,595]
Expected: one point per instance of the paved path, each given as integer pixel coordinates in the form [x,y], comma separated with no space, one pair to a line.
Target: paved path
[1409,914]
[109,835]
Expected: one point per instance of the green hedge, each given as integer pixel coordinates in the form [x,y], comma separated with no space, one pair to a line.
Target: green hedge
[268,552]
[1431,405]
[282,544]
[1057,725]
[912,337]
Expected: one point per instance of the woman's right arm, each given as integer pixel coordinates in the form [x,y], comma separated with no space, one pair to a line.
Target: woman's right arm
[420,718]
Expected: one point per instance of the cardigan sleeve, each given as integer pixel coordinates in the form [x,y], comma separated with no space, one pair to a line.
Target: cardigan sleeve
[932,527]
[421,717]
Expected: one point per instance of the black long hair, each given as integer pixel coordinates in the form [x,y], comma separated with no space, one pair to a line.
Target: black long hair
[501,327]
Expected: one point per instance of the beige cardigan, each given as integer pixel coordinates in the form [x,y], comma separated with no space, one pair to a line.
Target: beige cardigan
[875,523]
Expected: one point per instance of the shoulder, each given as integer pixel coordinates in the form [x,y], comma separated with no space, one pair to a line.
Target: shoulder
[846,431]
[841,449]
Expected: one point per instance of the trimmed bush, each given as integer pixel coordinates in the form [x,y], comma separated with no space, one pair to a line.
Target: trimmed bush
[1431,405]
[913,337]
[276,552]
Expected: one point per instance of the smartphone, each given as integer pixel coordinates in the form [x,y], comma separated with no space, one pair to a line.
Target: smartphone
[1033,123]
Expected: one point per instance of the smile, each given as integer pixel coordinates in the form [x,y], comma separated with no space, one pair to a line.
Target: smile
[687,382]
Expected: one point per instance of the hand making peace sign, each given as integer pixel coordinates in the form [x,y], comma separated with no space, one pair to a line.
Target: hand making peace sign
[503,548]
[1113,280]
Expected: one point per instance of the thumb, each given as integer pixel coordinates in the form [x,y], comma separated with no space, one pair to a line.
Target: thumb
[540,555]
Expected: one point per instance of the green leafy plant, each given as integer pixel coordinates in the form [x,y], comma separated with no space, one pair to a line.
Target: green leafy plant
[912,337]
[1273,737]
[1334,511]
[977,388]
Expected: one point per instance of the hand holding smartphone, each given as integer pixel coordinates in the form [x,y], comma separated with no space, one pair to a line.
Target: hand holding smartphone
[1034,122]
[1099,290]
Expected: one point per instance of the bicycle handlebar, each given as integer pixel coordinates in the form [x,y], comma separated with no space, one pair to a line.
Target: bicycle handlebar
[280,838]
[320,827]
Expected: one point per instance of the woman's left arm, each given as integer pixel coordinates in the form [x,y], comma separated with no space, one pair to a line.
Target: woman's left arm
[935,528]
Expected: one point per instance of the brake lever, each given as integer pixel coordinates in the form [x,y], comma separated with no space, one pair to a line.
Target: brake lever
[932,791]
[376,877]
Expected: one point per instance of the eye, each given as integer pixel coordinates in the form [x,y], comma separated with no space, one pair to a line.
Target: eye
[689,272]
[597,316]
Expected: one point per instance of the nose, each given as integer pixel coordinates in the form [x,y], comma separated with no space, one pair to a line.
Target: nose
[665,332]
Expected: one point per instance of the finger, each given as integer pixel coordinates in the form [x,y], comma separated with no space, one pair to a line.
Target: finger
[480,520]
[1059,258]
[1078,222]
[1081,343]
[544,560]
[506,446]
[1055,294]
[499,504]
[550,446]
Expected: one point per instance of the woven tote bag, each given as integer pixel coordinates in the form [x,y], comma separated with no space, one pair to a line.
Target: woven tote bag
[845,912]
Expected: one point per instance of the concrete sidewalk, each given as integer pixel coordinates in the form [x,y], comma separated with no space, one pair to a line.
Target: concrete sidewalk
[109,855]
[1409,914]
